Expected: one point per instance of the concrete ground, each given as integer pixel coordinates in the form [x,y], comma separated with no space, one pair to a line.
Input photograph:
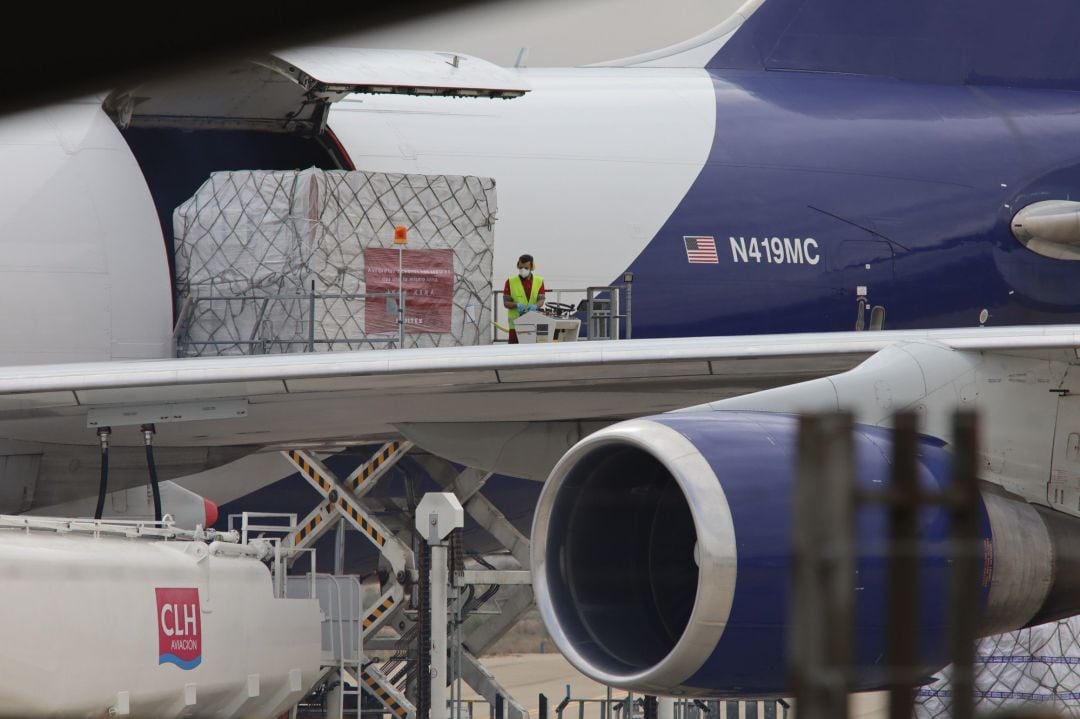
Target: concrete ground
[526,676]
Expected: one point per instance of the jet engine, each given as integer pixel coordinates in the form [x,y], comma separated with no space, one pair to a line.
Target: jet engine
[661,555]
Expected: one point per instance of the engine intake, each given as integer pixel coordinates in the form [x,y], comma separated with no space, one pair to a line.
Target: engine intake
[661,555]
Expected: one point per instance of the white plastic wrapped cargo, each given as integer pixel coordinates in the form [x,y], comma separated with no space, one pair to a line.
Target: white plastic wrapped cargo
[1038,666]
[262,233]
[108,625]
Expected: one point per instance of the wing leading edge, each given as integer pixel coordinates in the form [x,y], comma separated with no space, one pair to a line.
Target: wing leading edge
[350,396]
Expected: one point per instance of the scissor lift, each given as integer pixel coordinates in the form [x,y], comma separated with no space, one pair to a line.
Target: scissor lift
[346,499]
[341,502]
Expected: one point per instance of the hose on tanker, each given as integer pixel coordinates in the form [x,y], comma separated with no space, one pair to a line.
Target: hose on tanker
[103,484]
[148,438]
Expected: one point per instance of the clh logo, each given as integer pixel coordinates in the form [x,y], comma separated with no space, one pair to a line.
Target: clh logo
[179,627]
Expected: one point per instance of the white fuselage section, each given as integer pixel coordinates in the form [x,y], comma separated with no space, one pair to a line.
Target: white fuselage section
[588,165]
[83,271]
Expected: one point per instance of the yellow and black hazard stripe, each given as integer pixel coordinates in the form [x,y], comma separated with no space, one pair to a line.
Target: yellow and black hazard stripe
[331,493]
[384,696]
[309,469]
[307,529]
[380,610]
[365,525]
[374,463]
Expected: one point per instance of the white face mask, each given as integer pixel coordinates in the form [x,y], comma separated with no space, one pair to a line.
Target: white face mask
[524,271]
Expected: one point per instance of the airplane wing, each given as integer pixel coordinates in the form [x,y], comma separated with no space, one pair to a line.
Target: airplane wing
[294,398]
[511,408]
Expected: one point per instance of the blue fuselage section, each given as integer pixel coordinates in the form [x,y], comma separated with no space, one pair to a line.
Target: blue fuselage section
[822,188]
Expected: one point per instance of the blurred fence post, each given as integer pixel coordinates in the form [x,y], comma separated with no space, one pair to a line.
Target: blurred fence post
[823,567]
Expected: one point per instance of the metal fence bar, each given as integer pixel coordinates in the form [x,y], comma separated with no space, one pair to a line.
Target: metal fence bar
[964,517]
[297,296]
[182,318]
[390,340]
[401,321]
[823,566]
[258,324]
[901,651]
[822,537]
[627,707]
[616,316]
[603,315]
[595,327]
[311,320]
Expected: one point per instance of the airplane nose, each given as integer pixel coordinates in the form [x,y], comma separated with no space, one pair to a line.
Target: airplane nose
[211,512]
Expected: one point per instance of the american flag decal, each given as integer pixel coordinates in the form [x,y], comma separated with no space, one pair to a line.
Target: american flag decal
[701,250]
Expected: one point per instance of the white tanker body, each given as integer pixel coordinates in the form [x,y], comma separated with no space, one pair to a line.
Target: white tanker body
[98,624]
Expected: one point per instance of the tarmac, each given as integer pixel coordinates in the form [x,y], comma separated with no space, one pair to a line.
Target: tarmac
[526,676]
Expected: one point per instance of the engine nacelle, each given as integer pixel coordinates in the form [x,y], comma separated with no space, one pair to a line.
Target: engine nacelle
[661,555]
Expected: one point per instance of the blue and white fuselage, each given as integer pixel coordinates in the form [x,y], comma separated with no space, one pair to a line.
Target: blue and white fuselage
[812,185]
[839,159]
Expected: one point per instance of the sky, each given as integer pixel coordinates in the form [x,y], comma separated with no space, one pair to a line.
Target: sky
[556,32]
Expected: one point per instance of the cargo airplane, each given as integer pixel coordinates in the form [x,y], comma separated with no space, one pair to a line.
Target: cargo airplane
[807,169]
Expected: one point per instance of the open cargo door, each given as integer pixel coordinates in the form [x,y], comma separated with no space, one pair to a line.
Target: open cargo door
[292,90]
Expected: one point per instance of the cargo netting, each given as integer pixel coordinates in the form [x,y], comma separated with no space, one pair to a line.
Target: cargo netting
[275,261]
[1037,666]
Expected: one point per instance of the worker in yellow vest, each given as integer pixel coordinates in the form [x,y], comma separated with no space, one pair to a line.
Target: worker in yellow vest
[524,292]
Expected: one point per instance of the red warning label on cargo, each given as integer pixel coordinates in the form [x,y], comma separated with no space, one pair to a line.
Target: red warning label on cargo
[427,281]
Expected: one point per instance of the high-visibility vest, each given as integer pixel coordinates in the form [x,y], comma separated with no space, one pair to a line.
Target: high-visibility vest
[517,294]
